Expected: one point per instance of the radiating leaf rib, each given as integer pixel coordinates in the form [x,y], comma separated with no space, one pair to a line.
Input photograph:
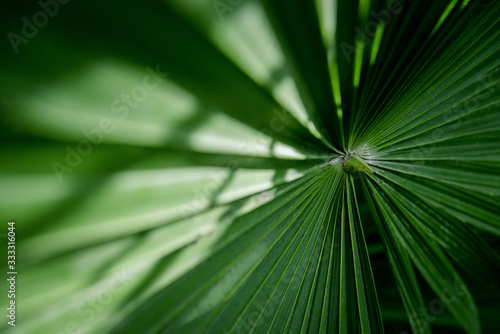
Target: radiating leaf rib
[443,95]
[478,96]
[369,310]
[437,73]
[476,210]
[348,303]
[273,279]
[209,267]
[402,269]
[296,311]
[249,287]
[393,60]
[462,175]
[333,192]
[349,274]
[478,143]
[323,263]
[463,244]
[215,260]
[314,314]
[432,263]
[285,308]
[320,319]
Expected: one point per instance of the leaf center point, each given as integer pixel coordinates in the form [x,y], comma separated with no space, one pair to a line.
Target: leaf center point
[351,162]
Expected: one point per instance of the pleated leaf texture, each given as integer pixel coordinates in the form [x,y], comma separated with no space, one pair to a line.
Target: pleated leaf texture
[245,166]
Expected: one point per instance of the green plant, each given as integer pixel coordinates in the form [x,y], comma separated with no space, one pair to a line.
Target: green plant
[254,166]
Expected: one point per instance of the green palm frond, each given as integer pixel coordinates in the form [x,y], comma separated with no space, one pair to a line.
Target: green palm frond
[252,166]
